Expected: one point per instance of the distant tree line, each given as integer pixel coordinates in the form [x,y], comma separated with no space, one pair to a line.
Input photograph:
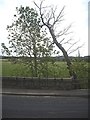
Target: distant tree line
[57,58]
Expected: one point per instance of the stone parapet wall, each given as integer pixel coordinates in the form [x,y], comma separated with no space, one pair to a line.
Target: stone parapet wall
[39,83]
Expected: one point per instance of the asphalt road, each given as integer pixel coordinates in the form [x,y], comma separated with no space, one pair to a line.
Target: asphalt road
[44,107]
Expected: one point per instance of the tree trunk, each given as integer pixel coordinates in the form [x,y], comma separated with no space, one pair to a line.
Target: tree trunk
[35,65]
[69,64]
[35,57]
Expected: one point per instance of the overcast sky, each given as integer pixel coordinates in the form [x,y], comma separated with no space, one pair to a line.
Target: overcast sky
[76,11]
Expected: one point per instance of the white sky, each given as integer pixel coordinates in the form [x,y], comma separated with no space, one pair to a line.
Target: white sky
[76,11]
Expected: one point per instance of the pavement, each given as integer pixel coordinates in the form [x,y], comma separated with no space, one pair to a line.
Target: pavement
[63,93]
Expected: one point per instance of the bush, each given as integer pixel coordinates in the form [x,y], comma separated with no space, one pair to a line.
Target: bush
[81,68]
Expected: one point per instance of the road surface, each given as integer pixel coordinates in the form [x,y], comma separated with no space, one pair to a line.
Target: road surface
[15,106]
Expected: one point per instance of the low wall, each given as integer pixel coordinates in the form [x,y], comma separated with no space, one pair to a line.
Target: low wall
[39,83]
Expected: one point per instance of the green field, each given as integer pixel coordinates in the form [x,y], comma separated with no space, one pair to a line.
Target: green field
[19,69]
[59,69]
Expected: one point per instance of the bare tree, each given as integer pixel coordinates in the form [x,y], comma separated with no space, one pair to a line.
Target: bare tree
[51,20]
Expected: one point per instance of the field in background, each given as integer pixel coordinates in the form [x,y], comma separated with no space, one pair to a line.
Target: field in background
[19,69]
[59,69]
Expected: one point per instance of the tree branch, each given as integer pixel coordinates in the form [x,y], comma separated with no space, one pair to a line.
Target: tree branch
[59,16]
[67,41]
[72,46]
[64,31]
[75,49]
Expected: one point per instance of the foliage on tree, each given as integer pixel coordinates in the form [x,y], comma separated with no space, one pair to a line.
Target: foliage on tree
[27,40]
